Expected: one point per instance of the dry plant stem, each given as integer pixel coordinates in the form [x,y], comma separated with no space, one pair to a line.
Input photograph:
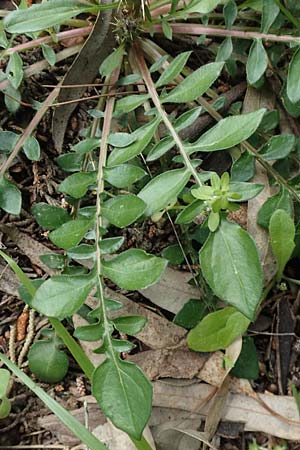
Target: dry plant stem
[42,65]
[196,30]
[252,150]
[152,91]
[70,34]
[30,128]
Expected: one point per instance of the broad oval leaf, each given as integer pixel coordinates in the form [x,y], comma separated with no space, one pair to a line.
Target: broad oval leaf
[278,147]
[123,175]
[41,16]
[70,233]
[231,266]
[49,216]
[77,184]
[282,234]
[195,84]
[144,135]
[228,132]
[131,325]
[134,269]
[123,209]
[32,149]
[47,362]
[124,394]
[257,61]
[10,197]
[82,251]
[281,200]
[163,189]
[270,11]
[293,79]
[217,330]
[173,69]
[61,296]
[246,190]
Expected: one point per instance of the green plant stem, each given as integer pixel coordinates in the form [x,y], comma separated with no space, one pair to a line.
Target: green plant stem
[247,146]
[287,13]
[142,444]
[152,91]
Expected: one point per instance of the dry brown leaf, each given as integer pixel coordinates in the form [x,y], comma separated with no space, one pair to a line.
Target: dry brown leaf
[172,291]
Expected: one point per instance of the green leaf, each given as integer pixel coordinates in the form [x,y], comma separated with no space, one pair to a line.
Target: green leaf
[217,330]
[195,84]
[61,296]
[270,11]
[190,314]
[188,214]
[243,169]
[123,210]
[173,254]
[14,70]
[203,6]
[159,149]
[48,216]
[124,394]
[167,29]
[173,69]
[127,104]
[230,13]
[12,99]
[47,362]
[246,190]
[86,146]
[53,260]
[228,132]
[82,251]
[157,65]
[47,14]
[32,149]
[77,185]
[121,139]
[163,189]
[281,200]
[4,382]
[293,81]
[49,54]
[123,175]
[278,147]
[144,135]
[70,162]
[231,266]
[10,197]
[70,233]
[131,325]
[90,333]
[282,235]
[112,61]
[8,141]
[61,413]
[257,61]
[111,245]
[247,364]
[225,50]
[134,269]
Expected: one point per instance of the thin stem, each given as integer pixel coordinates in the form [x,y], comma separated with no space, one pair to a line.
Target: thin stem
[30,128]
[287,13]
[152,91]
[196,30]
[247,146]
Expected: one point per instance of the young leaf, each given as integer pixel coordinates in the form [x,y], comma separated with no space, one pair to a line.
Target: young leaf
[131,325]
[123,210]
[47,362]
[32,149]
[217,330]
[257,62]
[41,16]
[49,54]
[134,269]
[61,296]
[293,79]
[10,197]
[124,175]
[163,189]
[173,69]
[228,132]
[231,266]
[195,84]
[270,11]
[70,233]
[48,216]
[144,135]
[112,61]
[282,235]
[77,185]
[278,147]
[281,200]
[124,394]
[167,30]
